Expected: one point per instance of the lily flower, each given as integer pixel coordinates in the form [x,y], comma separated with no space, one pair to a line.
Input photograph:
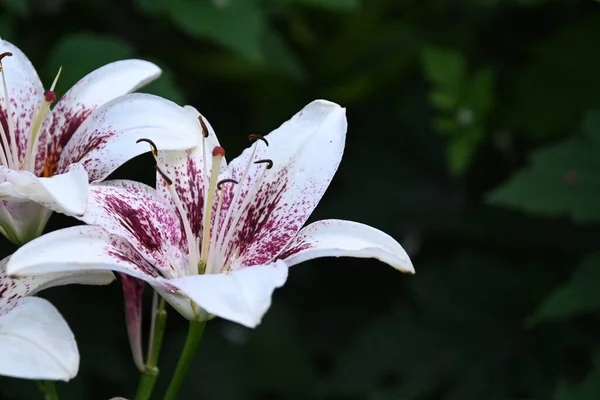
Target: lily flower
[216,239]
[47,154]
[36,341]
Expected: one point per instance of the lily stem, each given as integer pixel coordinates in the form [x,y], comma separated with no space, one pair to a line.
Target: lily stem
[150,373]
[48,389]
[195,331]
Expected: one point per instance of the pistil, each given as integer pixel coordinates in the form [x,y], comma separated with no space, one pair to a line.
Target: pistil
[42,111]
[218,154]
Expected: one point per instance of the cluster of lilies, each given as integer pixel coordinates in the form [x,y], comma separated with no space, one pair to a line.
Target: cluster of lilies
[212,238]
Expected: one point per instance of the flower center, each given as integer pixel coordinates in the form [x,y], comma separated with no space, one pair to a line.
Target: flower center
[211,258]
[9,152]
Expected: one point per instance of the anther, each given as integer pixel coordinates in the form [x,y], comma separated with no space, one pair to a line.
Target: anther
[221,182]
[50,96]
[5,54]
[267,161]
[253,137]
[164,175]
[151,143]
[203,125]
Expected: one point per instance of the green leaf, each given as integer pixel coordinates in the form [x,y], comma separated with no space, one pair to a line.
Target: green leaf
[332,4]
[548,96]
[479,93]
[462,148]
[82,53]
[562,180]
[577,296]
[444,67]
[239,26]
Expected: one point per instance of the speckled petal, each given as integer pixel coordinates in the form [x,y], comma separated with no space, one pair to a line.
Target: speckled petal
[65,193]
[338,238]
[36,342]
[306,151]
[107,138]
[241,296]
[186,170]
[79,249]
[138,214]
[25,92]
[95,89]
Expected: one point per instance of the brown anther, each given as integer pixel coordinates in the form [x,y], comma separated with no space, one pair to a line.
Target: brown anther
[253,137]
[5,54]
[203,125]
[225,181]
[267,161]
[151,143]
[164,176]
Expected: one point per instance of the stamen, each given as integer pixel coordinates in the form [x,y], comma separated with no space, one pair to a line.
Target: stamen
[238,189]
[14,157]
[32,139]
[221,182]
[151,143]
[164,175]
[253,137]
[193,253]
[204,171]
[249,196]
[210,264]
[267,161]
[218,154]
[203,125]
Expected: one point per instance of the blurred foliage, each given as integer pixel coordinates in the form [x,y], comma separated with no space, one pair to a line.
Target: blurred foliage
[474,139]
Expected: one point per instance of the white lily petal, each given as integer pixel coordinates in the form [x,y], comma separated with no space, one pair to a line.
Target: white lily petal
[25,92]
[187,170]
[107,138]
[338,238]
[241,296]
[22,221]
[36,342]
[65,193]
[79,249]
[136,212]
[306,151]
[98,87]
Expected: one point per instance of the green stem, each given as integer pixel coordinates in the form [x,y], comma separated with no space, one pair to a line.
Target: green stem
[150,373]
[192,341]
[147,380]
[48,389]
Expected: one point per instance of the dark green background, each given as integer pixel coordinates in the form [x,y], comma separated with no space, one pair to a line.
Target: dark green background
[473,139]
